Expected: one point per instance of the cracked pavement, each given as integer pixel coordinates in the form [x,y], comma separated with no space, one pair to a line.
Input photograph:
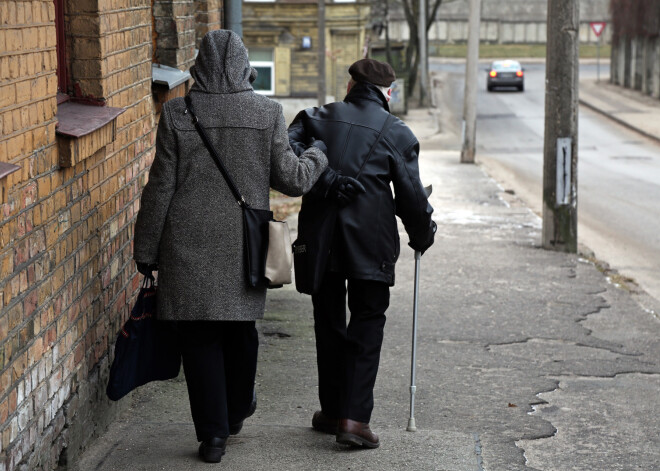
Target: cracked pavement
[527,360]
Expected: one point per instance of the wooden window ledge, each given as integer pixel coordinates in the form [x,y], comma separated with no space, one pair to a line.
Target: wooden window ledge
[83,129]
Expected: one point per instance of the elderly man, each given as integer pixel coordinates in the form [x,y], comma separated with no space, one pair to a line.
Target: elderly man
[368,149]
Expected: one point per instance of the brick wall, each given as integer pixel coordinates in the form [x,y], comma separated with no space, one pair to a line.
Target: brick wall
[174,23]
[66,275]
[208,16]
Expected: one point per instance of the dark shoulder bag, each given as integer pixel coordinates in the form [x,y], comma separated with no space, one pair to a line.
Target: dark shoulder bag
[311,249]
[255,221]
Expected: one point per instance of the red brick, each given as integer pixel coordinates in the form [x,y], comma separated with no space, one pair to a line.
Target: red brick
[30,303]
[4,411]
[37,243]
[12,401]
[51,336]
[29,195]
[22,253]
[7,265]
[18,368]
[23,280]
[4,324]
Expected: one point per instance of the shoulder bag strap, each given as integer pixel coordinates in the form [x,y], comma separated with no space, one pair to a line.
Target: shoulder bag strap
[225,173]
[385,127]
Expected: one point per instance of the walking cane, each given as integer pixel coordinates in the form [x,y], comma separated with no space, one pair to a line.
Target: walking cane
[418,257]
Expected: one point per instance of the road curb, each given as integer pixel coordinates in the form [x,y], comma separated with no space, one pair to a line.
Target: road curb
[619,120]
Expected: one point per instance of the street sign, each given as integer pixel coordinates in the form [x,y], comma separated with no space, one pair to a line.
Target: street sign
[598,27]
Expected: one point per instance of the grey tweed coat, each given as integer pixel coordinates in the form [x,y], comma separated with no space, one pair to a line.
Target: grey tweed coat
[189,222]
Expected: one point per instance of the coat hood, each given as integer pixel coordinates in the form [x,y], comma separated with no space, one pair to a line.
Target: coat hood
[222,64]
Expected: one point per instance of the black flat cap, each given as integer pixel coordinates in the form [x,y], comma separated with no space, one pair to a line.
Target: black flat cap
[373,71]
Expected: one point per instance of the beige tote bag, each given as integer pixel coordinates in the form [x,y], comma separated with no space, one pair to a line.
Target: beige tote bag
[279,259]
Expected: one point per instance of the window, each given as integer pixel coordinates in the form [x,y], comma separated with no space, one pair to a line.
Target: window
[82,127]
[62,76]
[262,61]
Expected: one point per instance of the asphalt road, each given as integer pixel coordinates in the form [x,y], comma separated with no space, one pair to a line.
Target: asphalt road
[618,170]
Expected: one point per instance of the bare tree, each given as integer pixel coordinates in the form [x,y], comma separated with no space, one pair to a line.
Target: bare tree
[379,22]
[411,11]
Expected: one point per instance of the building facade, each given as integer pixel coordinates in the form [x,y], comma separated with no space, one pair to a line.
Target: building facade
[78,110]
[282,39]
[510,22]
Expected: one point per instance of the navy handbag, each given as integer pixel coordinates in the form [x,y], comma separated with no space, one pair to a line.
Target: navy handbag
[146,349]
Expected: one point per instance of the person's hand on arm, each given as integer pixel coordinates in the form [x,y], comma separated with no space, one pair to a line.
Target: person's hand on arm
[340,189]
[295,166]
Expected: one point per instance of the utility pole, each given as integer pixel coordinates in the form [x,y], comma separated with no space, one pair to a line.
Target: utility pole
[321,49]
[423,56]
[470,99]
[560,157]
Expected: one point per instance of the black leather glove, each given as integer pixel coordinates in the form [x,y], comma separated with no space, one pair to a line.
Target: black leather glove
[345,189]
[422,244]
[146,268]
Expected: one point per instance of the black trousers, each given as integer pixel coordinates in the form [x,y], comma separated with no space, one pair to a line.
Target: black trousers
[220,364]
[348,356]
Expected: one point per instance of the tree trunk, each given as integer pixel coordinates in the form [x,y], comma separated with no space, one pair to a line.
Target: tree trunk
[411,11]
[388,45]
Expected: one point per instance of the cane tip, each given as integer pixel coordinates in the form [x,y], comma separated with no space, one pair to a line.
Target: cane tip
[411,425]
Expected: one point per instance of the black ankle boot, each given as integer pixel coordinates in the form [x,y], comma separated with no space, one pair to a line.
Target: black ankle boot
[212,450]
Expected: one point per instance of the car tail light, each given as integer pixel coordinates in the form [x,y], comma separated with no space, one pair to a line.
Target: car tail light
[519,73]
[493,73]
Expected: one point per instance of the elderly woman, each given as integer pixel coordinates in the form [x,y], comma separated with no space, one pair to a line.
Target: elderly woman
[189,228]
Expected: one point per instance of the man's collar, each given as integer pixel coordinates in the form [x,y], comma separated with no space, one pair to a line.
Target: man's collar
[367,91]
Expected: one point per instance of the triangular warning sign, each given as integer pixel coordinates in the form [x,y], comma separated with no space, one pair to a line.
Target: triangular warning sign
[598,27]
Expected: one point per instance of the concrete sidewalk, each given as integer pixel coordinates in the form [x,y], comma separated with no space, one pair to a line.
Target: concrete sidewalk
[630,108]
[527,359]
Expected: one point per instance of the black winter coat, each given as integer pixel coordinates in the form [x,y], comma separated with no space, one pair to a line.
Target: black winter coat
[366,239]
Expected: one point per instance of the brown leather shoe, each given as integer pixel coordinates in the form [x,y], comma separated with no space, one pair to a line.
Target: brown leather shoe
[351,432]
[323,423]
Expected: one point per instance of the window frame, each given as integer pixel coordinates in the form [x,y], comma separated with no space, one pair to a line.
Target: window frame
[271,65]
[60,46]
